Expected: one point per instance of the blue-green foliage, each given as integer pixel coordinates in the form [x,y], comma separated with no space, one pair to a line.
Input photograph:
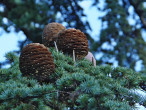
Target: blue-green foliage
[75,85]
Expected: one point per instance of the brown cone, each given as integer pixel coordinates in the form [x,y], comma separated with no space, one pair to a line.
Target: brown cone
[50,33]
[91,58]
[72,39]
[36,61]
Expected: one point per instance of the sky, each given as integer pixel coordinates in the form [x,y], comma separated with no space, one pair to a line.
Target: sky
[9,41]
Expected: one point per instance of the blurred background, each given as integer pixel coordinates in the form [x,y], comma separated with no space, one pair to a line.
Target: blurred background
[116,29]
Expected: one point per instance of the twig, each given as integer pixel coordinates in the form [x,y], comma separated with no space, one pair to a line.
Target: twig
[92,61]
[55,46]
[74,58]
[94,64]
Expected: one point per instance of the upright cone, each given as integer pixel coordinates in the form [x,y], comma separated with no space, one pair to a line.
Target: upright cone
[36,61]
[50,33]
[73,39]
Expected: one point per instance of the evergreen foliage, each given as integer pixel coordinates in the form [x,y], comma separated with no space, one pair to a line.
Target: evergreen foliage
[75,85]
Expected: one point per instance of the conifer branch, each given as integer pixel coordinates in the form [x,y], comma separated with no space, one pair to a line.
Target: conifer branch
[85,87]
[23,99]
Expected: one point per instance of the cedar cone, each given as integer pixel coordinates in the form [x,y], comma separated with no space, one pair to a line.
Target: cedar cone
[50,33]
[36,61]
[72,39]
[91,58]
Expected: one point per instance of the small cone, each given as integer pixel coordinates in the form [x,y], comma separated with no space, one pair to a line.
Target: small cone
[91,58]
[50,33]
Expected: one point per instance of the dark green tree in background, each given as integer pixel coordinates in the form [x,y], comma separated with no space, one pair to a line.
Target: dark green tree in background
[129,41]
[30,17]
[130,45]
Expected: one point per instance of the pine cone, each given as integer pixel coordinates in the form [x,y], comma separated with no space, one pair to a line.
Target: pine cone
[72,39]
[36,61]
[50,33]
[91,58]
